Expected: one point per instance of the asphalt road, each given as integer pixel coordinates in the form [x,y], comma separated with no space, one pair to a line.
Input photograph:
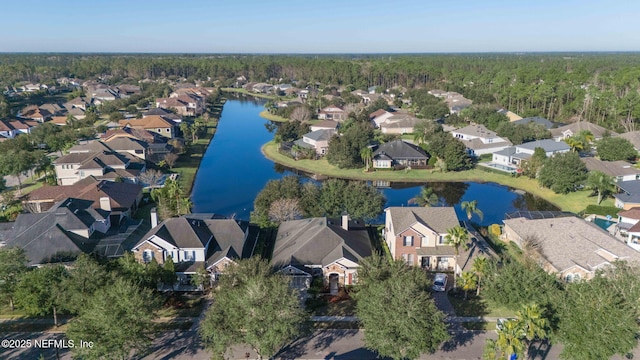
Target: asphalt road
[324,344]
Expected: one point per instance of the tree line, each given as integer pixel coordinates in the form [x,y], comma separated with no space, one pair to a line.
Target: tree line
[601,88]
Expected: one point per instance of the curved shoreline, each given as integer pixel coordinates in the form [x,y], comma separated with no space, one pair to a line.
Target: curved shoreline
[574,202]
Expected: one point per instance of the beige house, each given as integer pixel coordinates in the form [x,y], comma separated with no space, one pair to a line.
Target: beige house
[317,140]
[479,140]
[417,236]
[97,160]
[153,123]
[335,113]
[569,247]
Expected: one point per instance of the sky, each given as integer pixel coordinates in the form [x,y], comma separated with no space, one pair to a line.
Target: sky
[324,26]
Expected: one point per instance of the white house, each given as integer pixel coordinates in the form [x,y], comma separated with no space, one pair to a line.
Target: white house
[516,154]
[479,140]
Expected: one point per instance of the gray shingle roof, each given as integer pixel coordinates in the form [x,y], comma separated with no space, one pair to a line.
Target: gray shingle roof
[630,191]
[611,168]
[47,236]
[579,126]
[633,137]
[318,241]
[569,241]
[322,134]
[546,144]
[440,219]
[400,150]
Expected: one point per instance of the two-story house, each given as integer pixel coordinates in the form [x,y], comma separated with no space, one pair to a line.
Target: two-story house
[153,123]
[97,160]
[61,233]
[317,140]
[331,248]
[332,113]
[417,235]
[195,241]
[479,140]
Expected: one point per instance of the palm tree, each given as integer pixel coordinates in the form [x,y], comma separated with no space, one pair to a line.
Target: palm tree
[471,207]
[366,154]
[457,237]
[510,338]
[533,324]
[586,136]
[468,281]
[601,183]
[480,267]
[426,198]
[575,143]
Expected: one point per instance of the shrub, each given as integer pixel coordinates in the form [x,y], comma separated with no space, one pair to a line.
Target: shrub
[602,210]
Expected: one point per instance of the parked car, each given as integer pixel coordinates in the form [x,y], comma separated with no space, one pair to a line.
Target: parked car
[440,282]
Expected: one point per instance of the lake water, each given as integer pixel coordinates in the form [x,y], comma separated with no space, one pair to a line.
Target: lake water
[233,171]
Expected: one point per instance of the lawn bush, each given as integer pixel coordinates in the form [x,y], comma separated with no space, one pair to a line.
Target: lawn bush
[602,210]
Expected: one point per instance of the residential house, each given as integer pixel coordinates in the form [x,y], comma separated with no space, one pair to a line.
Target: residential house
[455,101]
[332,113]
[628,195]
[128,145]
[152,123]
[398,123]
[80,102]
[321,247]
[53,109]
[509,114]
[317,140]
[618,170]
[7,130]
[567,131]
[633,137]
[127,90]
[61,233]
[514,155]
[379,116]
[120,199]
[156,145]
[628,226]
[167,115]
[417,235]
[399,153]
[33,112]
[98,160]
[325,125]
[568,246]
[479,140]
[59,120]
[195,241]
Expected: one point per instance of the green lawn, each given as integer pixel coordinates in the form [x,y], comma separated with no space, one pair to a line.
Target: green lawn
[477,306]
[182,305]
[345,307]
[574,202]
[188,163]
[269,116]
[244,91]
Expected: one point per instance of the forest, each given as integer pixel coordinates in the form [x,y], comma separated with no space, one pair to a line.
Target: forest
[598,87]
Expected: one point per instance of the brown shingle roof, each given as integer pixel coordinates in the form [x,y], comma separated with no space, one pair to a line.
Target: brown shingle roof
[440,219]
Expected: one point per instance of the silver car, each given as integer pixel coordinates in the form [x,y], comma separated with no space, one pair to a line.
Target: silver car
[440,282]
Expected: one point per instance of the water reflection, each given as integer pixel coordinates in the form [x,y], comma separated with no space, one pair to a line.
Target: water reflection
[233,171]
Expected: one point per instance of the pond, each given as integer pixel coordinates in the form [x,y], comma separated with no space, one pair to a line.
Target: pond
[233,171]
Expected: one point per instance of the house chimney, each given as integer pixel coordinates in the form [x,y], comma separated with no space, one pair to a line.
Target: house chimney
[105,203]
[345,221]
[154,218]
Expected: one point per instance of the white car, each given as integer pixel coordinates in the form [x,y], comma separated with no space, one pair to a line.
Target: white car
[440,282]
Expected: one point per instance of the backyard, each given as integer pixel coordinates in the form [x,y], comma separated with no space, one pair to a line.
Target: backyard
[574,202]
